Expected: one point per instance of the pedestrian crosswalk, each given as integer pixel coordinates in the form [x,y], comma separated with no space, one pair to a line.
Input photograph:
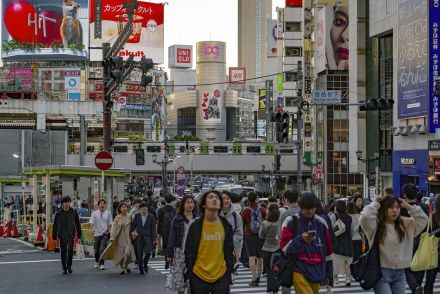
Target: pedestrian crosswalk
[243,277]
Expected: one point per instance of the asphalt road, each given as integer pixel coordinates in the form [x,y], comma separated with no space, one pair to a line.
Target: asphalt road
[26,269]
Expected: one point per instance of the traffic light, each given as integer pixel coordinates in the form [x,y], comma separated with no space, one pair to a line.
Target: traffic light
[108,105]
[146,80]
[146,64]
[277,162]
[282,126]
[376,104]
[140,156]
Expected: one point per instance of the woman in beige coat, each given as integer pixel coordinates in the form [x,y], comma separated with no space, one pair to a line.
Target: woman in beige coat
[120,249]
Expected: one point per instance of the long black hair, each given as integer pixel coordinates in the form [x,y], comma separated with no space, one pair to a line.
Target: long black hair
[387,203]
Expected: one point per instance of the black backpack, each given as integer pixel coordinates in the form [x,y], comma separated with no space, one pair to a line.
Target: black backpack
[167,219]
[282,265]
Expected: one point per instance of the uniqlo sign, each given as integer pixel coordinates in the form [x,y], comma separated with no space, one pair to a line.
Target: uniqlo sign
[294,3]
[183,55]
[180,56]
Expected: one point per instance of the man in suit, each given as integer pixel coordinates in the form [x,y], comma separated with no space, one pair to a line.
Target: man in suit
[143,230]
[65,226]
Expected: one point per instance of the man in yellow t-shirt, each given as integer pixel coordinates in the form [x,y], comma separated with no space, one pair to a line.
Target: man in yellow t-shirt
[209,248]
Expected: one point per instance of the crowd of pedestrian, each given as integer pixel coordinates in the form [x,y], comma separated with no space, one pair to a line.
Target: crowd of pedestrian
[320,245]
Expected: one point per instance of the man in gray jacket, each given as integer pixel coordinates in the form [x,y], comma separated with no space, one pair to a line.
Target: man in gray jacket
[291,200]
[235,221]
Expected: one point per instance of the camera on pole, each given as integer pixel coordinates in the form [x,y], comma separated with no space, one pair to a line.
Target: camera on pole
[376,104]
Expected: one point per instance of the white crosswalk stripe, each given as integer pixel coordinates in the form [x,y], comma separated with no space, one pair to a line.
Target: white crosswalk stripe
[243,277]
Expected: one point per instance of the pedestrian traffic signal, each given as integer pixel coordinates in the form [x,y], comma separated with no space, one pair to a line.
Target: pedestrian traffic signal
[282,126]
[277,162]
[140,156]
[108,105]
[146,80]
[376,104]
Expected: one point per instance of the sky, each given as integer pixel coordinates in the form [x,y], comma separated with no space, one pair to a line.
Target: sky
[190,21]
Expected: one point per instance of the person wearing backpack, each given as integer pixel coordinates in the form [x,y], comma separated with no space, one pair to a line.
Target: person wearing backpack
[165,216]
[269,233]
[253,217]
[235,221]
[342,225]
[307,239]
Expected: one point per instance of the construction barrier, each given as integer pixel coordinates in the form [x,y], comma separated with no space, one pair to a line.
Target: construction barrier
[30,219]
[7,233]
[15,233]
[50,244]
[1,229]
[39,241]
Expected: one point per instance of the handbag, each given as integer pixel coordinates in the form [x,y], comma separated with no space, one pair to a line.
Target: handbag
[80,250]
[366,269]
[339,227]
[426,256]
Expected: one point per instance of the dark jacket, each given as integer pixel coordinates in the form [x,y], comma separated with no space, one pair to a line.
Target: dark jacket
[177,233]
[147,232]
[192,242]
[72,219]
[160,219]
[344,243]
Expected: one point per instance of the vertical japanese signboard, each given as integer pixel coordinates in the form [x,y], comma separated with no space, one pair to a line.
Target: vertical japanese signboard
[434,52]
[413,85]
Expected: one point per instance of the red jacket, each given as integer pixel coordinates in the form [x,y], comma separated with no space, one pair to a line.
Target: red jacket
[246,217]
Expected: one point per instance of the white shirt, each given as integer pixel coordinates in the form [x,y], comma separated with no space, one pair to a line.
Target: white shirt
[100,221]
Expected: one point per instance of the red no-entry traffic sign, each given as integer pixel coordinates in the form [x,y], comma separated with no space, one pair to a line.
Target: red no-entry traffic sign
[104,160]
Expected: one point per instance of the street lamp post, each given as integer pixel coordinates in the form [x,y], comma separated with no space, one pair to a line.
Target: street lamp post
[18,156]
[163,163]
[367,162]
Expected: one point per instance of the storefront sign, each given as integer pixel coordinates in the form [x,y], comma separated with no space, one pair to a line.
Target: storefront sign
[437,166]
[434,53]
[72,84]
[408,161]
[434,145]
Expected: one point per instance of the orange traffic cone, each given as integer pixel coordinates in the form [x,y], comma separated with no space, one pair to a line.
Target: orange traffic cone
[39,238]
[1,228]
[15,233]
[7,233]
[49,246]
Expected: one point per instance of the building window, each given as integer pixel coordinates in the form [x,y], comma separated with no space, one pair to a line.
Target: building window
[293,26]
[290,76]
[293,51]
[186,121]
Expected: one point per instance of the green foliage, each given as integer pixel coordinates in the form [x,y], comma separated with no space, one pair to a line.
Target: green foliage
[31,46]
[132,137]
[186,138]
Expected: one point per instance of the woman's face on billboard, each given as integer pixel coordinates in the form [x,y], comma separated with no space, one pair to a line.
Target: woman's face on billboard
[339,37]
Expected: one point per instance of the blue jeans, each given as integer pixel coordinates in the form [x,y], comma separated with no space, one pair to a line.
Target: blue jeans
[393,282]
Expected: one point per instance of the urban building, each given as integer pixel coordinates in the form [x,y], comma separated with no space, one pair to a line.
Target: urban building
[211,111]
[252,32]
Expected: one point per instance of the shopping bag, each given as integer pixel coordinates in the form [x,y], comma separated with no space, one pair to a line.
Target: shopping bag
[426,256]
[80,250]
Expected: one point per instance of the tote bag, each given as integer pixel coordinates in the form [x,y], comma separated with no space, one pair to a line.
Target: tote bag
[426,256]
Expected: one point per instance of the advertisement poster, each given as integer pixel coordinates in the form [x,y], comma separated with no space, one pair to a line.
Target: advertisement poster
[108,18]
[158,94]
[412,76]
[261,128]
[72,84]
[434,53]
[262,99]
[16,79]
[211,105]
[180,56]
[237,75]
[332,42]
[49,29]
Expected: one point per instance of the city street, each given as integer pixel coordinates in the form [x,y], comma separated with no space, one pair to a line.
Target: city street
[25,269]
[41,272]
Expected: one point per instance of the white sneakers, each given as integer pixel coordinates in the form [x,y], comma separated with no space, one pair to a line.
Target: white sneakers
[96,265]
[102,267]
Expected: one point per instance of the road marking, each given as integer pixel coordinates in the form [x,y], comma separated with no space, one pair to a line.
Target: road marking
[25,243]
[39,261]
[12,251]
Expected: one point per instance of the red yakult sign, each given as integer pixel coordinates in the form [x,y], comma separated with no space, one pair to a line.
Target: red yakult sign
[180,56]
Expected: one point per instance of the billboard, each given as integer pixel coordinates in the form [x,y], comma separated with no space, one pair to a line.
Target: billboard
[262,99]
[274,33]
[332,40]
[44,29]
[107,19]
[434,53]
[237,75]
[412,78]
[158,94]
[294,3]
[16,79]
[72,84]
[180,56]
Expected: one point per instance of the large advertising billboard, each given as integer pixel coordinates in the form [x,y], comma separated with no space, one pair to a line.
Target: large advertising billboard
[180,56]
[108,18]
[434,54]
[332,42]
[44,29]
[412,78]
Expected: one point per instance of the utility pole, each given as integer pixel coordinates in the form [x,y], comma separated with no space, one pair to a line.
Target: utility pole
[112,69]
[299,125]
